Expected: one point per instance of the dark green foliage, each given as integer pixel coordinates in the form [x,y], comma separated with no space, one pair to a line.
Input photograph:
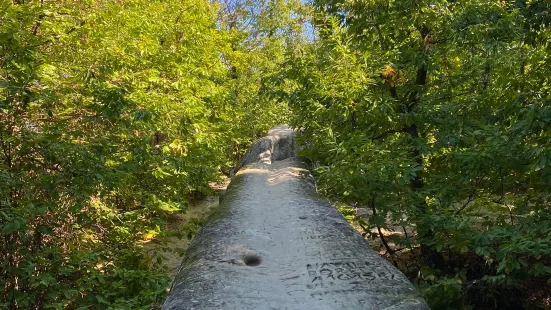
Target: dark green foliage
[112,113]
[435,115]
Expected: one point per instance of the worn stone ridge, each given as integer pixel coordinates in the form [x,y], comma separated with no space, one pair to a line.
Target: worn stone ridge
[278,144]
[275,243]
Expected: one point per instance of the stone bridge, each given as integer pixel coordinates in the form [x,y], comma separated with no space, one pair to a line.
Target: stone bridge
[275,243]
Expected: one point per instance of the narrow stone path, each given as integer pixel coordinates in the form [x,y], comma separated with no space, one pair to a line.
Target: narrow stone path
[274,243]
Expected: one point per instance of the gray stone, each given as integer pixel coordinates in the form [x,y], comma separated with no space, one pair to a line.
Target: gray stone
[278,144]
[275,243]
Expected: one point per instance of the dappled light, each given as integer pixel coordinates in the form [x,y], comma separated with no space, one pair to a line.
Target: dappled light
[427,123]
[278,244]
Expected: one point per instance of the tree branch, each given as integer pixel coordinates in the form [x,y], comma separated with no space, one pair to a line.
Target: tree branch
[386,133]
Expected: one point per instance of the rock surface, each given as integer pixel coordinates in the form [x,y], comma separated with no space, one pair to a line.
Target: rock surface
[278,144]
[275,244]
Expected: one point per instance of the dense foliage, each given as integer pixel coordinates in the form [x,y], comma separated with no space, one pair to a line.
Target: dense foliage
[112,113]
[433,115]
[436,116]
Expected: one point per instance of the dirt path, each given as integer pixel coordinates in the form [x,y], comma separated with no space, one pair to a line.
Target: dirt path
[172,248]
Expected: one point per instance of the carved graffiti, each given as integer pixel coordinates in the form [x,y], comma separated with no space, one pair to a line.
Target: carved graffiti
[348,271]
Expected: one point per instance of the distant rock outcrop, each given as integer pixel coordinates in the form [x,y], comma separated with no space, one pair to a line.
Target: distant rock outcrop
[278,144]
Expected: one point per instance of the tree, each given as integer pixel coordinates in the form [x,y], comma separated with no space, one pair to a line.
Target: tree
[262,33]
[424,112]
[112,114]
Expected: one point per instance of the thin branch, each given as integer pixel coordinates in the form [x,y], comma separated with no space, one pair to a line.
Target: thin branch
[383,240]
[469,200]
[386,133]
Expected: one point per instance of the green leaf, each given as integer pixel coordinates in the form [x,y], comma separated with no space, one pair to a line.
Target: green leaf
[11,227]
[102,299]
